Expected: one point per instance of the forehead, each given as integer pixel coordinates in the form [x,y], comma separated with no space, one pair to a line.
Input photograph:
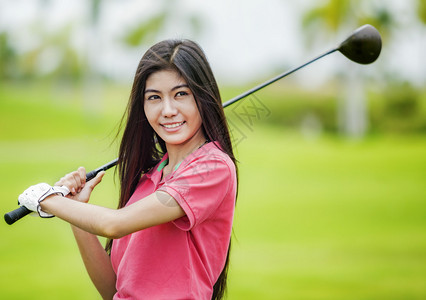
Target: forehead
[164,79]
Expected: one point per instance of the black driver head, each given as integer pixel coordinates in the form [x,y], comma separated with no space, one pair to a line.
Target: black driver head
[363,45]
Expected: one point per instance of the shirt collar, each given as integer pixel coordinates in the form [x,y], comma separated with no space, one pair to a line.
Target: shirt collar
[156,172]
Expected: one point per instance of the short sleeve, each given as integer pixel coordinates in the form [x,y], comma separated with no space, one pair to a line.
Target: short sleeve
[199,187]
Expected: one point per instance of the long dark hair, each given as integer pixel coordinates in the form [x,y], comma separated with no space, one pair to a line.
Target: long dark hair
[141,148]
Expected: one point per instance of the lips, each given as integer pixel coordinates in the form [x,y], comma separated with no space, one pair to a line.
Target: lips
[172,125]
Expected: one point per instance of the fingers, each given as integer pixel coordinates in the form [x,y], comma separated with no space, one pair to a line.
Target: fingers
[74,181]
[95,181]
[82,174]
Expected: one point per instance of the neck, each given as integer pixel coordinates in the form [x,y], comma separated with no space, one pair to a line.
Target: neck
[177,153]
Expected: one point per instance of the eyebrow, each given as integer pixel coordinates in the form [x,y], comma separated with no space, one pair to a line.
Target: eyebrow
[174,88]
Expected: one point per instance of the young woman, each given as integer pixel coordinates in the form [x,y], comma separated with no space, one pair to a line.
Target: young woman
[170,236]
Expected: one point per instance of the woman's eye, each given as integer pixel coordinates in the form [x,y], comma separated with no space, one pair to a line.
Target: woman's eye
[153,97]
[181,93]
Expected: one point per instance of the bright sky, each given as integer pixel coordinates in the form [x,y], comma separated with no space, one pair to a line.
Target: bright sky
[244,40]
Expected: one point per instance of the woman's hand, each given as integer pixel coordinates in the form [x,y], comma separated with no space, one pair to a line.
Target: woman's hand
[80,190]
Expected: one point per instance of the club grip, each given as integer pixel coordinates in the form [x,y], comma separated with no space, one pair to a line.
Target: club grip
[91,175]
[14,215]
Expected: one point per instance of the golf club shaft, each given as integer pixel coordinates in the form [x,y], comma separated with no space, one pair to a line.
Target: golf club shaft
[266,83]
[15,215]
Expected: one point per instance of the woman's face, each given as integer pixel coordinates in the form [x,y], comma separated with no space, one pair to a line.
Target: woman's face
[171,109]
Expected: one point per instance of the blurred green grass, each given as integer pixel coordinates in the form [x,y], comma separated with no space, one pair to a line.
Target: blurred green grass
[330,219]
[321,218]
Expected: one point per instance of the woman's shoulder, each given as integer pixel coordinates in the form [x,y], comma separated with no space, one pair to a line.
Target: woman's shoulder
[208,157]
[211,151]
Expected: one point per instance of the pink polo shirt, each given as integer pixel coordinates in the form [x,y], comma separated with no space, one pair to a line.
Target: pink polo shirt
[180,259]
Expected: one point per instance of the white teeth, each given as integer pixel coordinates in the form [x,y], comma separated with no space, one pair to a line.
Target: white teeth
[172,125]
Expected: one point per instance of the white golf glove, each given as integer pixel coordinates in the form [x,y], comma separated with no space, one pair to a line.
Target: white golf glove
[33,195]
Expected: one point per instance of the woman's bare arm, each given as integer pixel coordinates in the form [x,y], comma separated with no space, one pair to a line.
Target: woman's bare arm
[152,210]
[97,262]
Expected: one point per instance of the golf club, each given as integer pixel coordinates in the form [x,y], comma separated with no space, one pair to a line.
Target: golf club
[363,46]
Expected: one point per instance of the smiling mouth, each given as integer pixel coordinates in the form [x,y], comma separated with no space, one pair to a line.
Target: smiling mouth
[174,125]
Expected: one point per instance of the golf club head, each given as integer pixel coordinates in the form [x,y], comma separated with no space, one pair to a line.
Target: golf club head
[363,46]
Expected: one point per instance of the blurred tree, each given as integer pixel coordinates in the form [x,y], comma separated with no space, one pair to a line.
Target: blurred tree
[93,89]
[53,57]
[49,54]
[333,17]
[146,30]
[169,14]
[421,13]
[421,10]
[8,57]
[52,54]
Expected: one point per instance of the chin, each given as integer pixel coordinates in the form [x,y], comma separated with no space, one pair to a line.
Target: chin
[175,141]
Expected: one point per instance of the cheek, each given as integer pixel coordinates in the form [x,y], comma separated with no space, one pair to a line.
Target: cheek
[199,120]
[197,114]
[150,113]
[193,112]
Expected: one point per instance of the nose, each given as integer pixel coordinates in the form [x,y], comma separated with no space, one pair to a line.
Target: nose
[169,108]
